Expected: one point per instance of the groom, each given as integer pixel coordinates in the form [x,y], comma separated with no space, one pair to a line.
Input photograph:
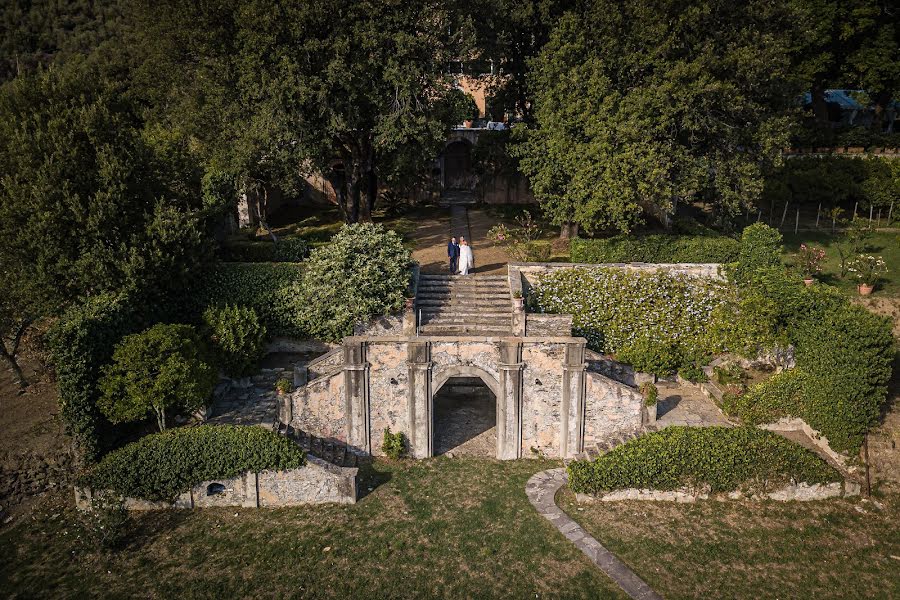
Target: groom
[453,253]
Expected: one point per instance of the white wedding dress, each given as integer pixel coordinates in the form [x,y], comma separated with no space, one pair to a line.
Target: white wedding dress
[466,261]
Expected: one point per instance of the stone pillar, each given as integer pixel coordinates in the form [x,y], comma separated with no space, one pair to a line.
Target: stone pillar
[420,402]
[356,395]
[571,430]
[509,402]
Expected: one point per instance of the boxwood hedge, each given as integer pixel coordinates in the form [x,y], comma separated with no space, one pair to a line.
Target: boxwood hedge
[161,466]
[655,248]
[283,250]
[720,458]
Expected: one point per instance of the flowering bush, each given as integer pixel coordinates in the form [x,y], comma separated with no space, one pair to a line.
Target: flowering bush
[811,259]
[657,319]
[521,243]
[867,269]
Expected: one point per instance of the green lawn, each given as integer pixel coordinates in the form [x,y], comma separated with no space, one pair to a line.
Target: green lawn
[437,528]
[885,244]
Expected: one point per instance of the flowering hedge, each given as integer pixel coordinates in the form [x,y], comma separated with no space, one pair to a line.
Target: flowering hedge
[722,459]
[656,248]
[656,319]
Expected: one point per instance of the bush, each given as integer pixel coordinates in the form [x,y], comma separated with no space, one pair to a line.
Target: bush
[658,320]
[161,466]
[720,458]
[766,402]
[760,248]
[271,290]
[650,393]
[237,337]
[283,250]
[79,344]
[394,444]
[655,249]
[362,273]
[161,369]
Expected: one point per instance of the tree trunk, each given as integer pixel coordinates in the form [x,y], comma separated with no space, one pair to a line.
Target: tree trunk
[160,418]
[819,105]
[11,353]
[370,181]
[569,229]
[881,101]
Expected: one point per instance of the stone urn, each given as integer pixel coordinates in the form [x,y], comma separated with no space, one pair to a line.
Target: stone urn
[518,304]
[865,289]
[808,281]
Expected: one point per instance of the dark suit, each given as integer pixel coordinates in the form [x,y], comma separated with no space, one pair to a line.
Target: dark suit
[453,253]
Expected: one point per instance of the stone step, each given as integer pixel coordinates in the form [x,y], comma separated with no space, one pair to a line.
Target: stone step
[475,297]
[463,329]
[473,303]
[432,312]
[436,277]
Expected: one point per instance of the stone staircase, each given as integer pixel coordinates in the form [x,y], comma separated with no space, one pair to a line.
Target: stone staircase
[597,450]
[335,452]
[468,305]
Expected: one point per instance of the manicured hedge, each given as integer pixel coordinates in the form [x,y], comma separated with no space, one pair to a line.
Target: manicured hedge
[720,458]
[79,344]
[163,465]
[284,250]
[657,248]
[654,318]
[272,290]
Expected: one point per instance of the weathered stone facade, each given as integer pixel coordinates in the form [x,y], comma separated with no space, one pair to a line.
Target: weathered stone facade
[318,482]
[547,402]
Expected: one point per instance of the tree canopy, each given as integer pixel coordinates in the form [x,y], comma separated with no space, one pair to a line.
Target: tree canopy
[640,104]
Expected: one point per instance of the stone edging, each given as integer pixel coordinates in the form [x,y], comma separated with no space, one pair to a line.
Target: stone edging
[541,490]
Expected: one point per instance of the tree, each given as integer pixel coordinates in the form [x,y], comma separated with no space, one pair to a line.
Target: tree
[641,104]
[159,370]
[90,199]
[339,88]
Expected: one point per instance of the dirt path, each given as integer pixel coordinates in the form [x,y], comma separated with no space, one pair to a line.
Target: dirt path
[431,239]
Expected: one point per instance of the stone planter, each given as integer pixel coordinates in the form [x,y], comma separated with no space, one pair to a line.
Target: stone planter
[865,289]
[808,281]
[518,304]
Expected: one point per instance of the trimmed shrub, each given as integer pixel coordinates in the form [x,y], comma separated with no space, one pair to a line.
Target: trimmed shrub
[720,458]
[161,466]
[766,402]
[237,337]
[656,248]
[362,273]
[394,444]
[161,369]
[658,320]
[283,250]
[79,344]
[271,290]
[760,248]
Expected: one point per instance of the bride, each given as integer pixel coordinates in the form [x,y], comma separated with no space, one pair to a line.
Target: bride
[466,261]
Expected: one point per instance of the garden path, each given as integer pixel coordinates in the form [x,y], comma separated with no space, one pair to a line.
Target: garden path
[685,404]
[541,490]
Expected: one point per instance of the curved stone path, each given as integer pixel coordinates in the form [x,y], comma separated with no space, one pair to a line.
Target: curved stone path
[541,490]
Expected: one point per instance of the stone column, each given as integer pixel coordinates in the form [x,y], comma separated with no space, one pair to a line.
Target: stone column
[571,428]
[419,402]
[356,395]
[509,402]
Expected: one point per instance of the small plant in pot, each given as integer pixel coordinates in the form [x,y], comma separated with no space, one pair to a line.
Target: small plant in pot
[810,260]
[650,393]
[283,386]
[518,300]
[867,269]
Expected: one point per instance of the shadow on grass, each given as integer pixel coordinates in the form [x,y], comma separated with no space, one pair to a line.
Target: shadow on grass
[372,474]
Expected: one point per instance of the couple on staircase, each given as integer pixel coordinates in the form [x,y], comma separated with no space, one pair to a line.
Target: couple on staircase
[461,259]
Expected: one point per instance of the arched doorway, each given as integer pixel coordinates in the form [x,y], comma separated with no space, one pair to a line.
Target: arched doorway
[465,416]
[458,165]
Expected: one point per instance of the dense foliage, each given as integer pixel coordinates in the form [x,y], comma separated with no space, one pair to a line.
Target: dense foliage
[760,248]
[362,273]
[161,466]
[158,371]
[656,319]
[271,290]
[621,128]
[394,444]
[721,459]
[655,249]
[237,337]
[843,355]
[284,250]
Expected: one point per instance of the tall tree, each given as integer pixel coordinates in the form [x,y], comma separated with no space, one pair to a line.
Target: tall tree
[640,104]
[337,87]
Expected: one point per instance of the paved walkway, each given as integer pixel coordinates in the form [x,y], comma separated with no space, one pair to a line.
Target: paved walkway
[686,405]
[541,490]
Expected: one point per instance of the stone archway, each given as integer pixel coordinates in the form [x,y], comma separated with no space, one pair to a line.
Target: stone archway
[464,412]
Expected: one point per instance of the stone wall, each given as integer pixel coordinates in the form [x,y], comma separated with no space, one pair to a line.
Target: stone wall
[613,409]
[547,402]
[537,325]
[799,492]
[318,482]
[325,364]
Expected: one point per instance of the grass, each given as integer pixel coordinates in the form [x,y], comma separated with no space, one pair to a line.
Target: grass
[885,244]
[712,549]
[437,528]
